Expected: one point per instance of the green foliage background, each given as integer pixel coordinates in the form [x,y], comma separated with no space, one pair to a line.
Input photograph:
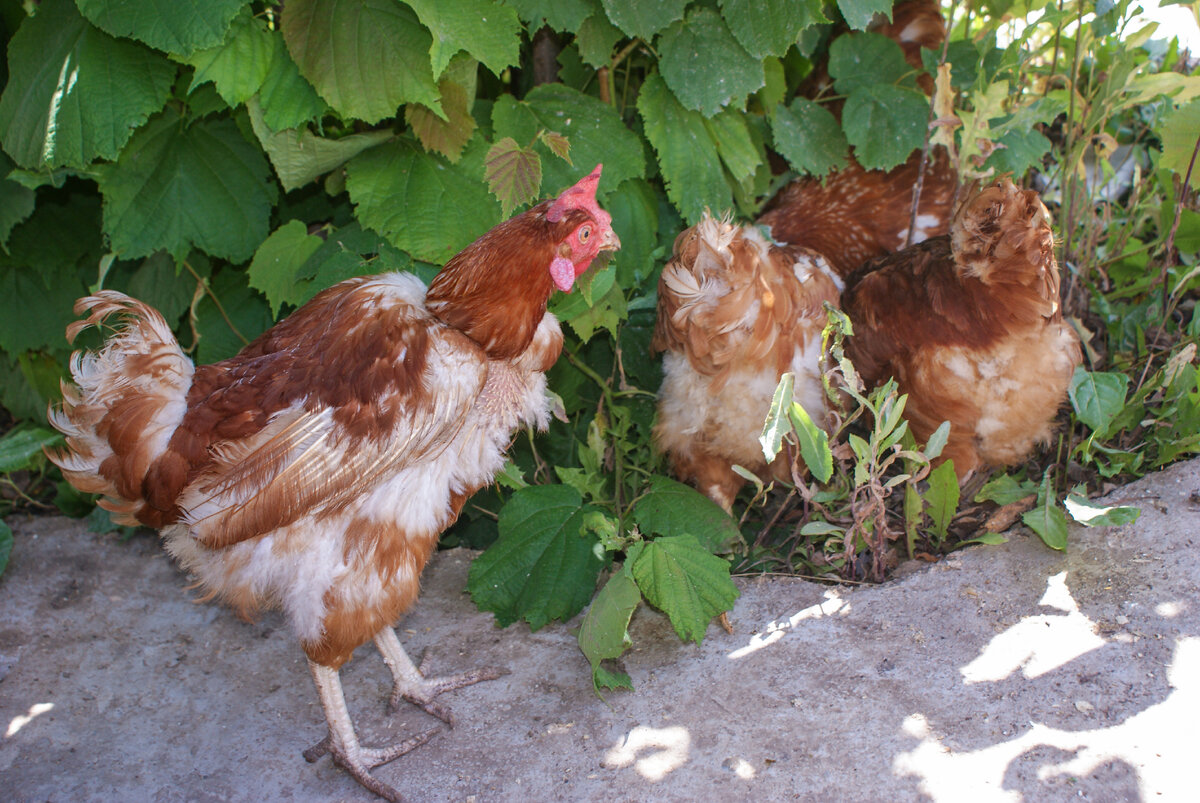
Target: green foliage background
[226,160]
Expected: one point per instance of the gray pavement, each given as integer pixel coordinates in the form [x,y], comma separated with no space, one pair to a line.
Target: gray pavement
[1004,674]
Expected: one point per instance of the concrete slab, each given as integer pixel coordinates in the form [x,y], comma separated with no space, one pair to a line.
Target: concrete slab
[1008,673]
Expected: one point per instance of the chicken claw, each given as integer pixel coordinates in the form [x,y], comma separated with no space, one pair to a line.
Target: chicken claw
[409,683]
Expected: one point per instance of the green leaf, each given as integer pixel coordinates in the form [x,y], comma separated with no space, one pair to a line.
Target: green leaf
[634,210]
[18,447]
[942,497]
[884,124]
[603,678]
[513,173]
[687,155]
[686,582]
[687,52]
[937,441]
[671,508]
[814,443]
[273,270]
[178,186]
[6,544]
[1022,150]
[1048,519]
[74,93]
[299,156]
[1091,514]
[1097,397]
[777,423]
[595,130]
[596,39]
[242,316]
[991,539]
[740,154]
[863,60]
[809,137]
[488,31]
[641,19]
[157,282]
[1005,489]
[1179,140]
[16,204]
[239,65]
[770,27]
[540,568]
[420,202]
[606,312]
[859,13]
[173,27]
[286,98]
[365,57]
[561,15]
[604,633]
[449,136]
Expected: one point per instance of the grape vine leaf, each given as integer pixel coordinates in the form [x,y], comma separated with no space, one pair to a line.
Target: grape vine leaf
[687,52]
[179,28]
[686,582]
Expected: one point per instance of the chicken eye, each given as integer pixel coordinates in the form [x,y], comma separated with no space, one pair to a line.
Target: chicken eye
[585,233]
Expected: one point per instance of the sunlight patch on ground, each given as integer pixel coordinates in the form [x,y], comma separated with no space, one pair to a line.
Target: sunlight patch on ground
[1038,644]
[776,628]
[669,751]
[19,722]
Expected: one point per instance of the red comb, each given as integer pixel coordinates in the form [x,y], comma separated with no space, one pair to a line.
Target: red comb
[580,196]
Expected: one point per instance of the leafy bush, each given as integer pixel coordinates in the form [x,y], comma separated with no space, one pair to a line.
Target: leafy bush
[224,161]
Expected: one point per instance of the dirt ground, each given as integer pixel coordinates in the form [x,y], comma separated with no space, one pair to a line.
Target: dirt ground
[1008,673]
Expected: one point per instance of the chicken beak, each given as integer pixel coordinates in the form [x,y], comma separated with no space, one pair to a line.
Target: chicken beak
[610,242]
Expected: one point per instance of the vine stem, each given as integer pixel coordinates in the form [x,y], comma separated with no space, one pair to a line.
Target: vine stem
[216,301]
[1184,189]
[920,185]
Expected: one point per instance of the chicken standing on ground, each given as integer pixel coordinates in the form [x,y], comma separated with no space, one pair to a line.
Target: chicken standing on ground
[734,313]
[315,470]
[971,327]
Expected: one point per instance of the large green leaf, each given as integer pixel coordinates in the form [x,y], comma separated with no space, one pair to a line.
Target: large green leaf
[641,19]
[365,57]
[942,496]
[541,567]
[242,316]
[1048,519]
[596,39]
[1005,489]
[420,202]
[686,582]
[157,282]
[164,24]
[595,130]
[177,187]
[561,15]
[1179,140]
[671,508]
[864,60]
[273,269]
[687,52]
[74,93]
[286,98]
[299,156]
[859,13]
[687,156]
[1097,397]
[809,137]
[19,447]
[741,154]
[634,210]
[604,633]
[884,124]
[814,443]
[16,204]
[770,27]
[488,31]
[239,65]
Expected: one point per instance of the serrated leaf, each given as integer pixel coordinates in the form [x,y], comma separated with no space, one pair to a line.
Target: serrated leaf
[157,282]
[1005,489]
[884,124]
[449,136]
[1179,140]
[19,447]
[809,137]
[540,568]
[859,13]
[273,269]
[560,15]
[74,93]
[634,210]
[687,52]
[671,508]
[595,130]
[420,202]
[777,423]
[687,156]
[179,186]
[174,27]
[606,312]
[299,156]
[942,497]
[242,316]
[686,582]
[641,19]
[351,251]
[865,60]
[16,204]
[596,39]
[1091,514]
[1021,150]
[770,27]
[365,57]
[488,31]
[603,678]
[1097,397]
[814,443]
[559,145]
[604,633]
[1048,519]
[239,65]
[513,173]
[6,545]
[287,100]
[740,154]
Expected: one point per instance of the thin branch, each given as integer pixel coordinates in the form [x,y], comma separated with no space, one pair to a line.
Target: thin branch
[1170,244]
[216,302]
[920,185]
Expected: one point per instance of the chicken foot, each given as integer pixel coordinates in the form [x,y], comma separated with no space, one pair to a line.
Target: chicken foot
[409,683]
[342,743]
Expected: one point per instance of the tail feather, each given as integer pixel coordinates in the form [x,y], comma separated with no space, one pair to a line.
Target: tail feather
[126,402]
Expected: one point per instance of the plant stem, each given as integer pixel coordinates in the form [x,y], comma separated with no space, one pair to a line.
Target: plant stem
[217,302]
[1184,189]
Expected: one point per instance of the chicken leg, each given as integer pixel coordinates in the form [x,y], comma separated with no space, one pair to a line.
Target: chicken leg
[342,743]
[409,682]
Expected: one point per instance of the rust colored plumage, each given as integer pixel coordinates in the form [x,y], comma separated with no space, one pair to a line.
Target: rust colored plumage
[970,326]
[314,470]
